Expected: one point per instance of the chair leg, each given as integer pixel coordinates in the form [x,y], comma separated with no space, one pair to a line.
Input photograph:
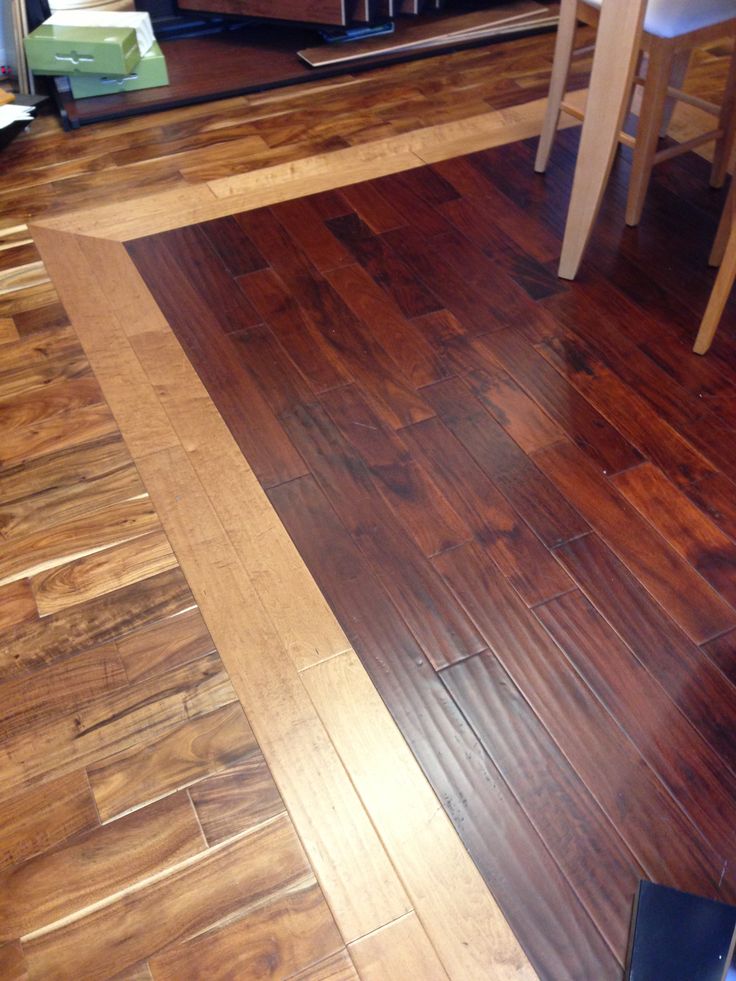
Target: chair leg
[558,83]
[724,227]
[726,122]
[650,121]
[719,295]
[680,65]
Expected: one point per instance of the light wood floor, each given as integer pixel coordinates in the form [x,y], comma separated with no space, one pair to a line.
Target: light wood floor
[215,724]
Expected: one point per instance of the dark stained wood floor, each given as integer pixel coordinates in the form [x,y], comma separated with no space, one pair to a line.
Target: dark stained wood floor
[518,496]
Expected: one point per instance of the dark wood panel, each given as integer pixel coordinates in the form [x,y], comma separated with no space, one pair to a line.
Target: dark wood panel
[694,772]
[690,677]
[233,246]
[722,651]
[406,487]
[633,798]
[686,528]
[190,303]
[583,842]
[441,627]
[384,266]
[367,360]
[583,424]
[554,929]
[698,609]
[518,553]
[531,494]
[400,337]
[716,495]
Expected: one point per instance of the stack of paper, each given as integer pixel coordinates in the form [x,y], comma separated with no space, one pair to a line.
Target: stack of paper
[13,113]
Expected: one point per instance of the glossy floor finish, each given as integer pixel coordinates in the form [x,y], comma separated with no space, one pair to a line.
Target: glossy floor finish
[517,496]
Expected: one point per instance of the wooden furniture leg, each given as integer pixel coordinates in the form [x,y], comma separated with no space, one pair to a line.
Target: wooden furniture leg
[560,71]
[680,66]
[650,123]
[724,227]
[616,53]
[726,122]
[725,279]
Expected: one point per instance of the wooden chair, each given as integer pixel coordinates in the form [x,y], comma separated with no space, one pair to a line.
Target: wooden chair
[672,29]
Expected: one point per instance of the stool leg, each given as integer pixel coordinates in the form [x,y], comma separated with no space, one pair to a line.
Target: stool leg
[558,82]
[724,227]
[680,65]
[726,122]
[719,295]
[650,121]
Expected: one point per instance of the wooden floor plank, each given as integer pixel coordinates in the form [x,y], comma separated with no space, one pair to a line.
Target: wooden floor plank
[664,649]
[694,772]
[632,797]
[364,735]
[59,690]
[61,486]
[42,818]
[690,601]
[398,950]
[34,644]
[171,641]
[684,526]
[60,544]
[533,496]
[113,723]
[102,572]
[182,904]
[236,798]
[99,864]
[428,719]
[494,523]
[194,750]
[286,933]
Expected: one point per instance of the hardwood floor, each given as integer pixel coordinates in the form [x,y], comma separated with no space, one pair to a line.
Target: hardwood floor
[275,816]
[406,463]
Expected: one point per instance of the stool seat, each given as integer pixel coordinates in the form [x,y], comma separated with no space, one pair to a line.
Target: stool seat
[671,18]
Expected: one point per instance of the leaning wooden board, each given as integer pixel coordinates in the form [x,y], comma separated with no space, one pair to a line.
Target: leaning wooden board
[479,24]
[307,11]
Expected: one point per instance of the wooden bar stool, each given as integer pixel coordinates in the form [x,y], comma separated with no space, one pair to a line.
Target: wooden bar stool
[672,29]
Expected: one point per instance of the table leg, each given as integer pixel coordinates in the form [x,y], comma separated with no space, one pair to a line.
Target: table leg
[616,52]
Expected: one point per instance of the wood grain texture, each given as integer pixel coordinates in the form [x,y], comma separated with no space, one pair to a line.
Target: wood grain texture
[171,641]
[395,951]
[286,933]
[92,624]
[235,799]
[62,543]
[113,723]
[60,690]
[663,648]
[684,526]
[338,967]
[670,579]
[198,894]
[40,819]
[193,750]
[407,817]
[104,861]
[61,486]
[17,604]
[103,572]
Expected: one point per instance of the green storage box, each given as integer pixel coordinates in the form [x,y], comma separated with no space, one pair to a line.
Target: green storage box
[149,73]
[82,50]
